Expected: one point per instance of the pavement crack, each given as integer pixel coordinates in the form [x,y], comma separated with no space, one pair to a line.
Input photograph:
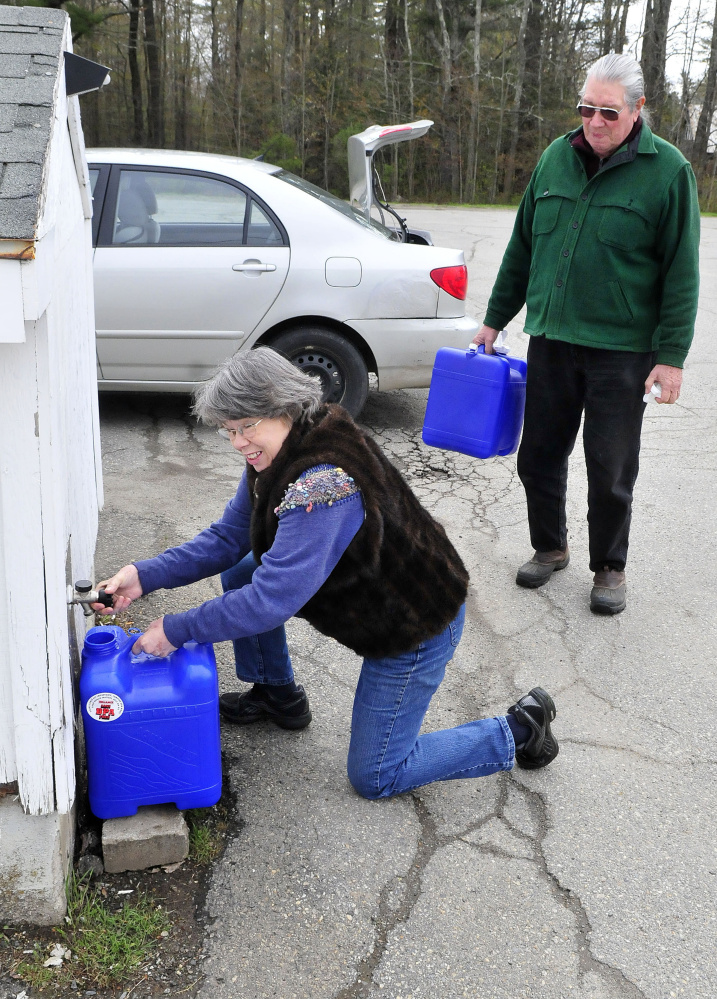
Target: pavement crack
[633,715]
[570,900]
[392,915]
[640,754]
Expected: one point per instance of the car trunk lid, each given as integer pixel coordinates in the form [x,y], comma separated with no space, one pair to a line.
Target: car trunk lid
[361,149]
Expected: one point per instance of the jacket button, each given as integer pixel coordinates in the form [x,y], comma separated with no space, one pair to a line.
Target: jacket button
[575,225]
[584,197]
[545,193]
[566,253]
[559,283]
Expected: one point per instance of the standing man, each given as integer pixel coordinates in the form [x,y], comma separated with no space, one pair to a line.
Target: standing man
[604,253]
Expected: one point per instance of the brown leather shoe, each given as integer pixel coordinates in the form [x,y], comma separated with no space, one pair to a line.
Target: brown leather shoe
[609,592]
[541,567]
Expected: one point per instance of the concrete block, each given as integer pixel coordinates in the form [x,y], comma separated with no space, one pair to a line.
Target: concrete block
[156,835]
[35,853]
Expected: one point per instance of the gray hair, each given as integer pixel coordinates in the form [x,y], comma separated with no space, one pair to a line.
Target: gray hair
[257,382]
[618,67]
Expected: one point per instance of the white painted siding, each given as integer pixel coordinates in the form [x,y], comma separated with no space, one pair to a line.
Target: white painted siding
[50,477]
[12,320]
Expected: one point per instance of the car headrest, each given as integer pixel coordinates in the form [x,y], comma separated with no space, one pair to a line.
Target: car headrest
[140,186]
[132,209]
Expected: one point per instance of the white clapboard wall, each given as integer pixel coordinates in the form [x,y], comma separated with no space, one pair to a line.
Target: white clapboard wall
[50,476]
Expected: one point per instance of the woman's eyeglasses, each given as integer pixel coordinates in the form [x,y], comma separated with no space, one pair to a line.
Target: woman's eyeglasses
[609,114]
[245,431]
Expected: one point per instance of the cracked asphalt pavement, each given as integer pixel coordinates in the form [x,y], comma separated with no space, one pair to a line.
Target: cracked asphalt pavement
[595,878]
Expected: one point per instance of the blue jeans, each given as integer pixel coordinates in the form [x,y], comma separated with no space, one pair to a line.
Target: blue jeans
[386,754]
[260,658]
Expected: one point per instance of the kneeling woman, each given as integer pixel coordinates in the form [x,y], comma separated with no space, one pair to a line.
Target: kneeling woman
[325,528]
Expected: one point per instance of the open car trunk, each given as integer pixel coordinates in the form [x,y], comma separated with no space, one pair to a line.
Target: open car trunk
[361,150]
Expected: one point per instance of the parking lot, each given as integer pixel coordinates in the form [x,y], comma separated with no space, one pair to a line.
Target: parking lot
[595,878]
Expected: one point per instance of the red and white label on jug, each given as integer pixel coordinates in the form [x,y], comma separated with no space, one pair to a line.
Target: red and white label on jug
[105,707]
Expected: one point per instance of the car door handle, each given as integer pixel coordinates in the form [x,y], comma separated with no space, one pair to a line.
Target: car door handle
[254,267]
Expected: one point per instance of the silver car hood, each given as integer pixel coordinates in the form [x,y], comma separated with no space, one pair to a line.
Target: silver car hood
[361,149]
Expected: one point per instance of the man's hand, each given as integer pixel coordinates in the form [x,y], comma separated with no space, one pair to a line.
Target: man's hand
[124,587]
[669,379]
[154,641]
[486,335]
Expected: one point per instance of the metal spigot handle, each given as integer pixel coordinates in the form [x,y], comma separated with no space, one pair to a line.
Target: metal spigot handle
[84,594]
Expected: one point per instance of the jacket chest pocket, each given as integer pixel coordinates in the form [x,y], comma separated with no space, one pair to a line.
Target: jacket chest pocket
[546,213]
[625,229]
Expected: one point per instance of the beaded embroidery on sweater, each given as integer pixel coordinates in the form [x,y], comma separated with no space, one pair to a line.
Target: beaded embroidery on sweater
[324,484]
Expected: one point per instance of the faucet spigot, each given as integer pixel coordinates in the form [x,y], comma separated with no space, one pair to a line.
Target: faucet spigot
[85,594]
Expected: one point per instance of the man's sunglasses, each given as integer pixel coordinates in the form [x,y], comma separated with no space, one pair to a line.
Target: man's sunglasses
[609,114]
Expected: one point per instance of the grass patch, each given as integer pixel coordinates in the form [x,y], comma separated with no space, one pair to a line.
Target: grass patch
[105,945]
[207,833]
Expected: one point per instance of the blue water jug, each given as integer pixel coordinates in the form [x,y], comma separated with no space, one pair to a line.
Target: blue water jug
[151,725]
[475,403]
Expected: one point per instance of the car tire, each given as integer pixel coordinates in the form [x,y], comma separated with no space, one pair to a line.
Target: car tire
[339,365]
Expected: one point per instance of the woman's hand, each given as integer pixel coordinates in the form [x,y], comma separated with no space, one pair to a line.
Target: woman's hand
[154,642]
[124,587]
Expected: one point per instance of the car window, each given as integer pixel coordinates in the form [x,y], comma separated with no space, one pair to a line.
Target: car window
[330,199]
[178,209]
[262,230]
[99,175]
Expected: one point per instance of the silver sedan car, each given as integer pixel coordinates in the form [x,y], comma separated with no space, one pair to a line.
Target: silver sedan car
[197,256]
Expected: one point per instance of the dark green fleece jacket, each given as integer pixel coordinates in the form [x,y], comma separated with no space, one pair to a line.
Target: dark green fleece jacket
[610,262]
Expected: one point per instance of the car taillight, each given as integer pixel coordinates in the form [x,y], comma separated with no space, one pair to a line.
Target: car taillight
[454,280]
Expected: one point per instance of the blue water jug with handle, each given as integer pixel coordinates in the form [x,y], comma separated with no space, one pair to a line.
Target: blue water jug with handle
[476,402]
[151,725]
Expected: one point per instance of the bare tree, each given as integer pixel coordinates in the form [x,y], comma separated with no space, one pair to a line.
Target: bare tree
[394,41]
[411,98]
[499,137]
[472,169]
[215,83]
[621,36]
[654,53]
[707,112]
[155,96]
[517,97]
[288,63]
[613,26]
[135,76]
[237,74]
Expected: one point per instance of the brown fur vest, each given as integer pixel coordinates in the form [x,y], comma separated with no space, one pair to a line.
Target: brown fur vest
[400,581]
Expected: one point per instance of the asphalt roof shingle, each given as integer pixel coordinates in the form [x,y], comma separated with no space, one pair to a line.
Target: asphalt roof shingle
[14,65]
[30,53]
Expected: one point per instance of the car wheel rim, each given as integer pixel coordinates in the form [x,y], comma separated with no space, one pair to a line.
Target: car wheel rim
[314,362]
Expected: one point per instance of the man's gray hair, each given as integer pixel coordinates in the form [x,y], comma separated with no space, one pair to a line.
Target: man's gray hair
[620,68]
[257,382]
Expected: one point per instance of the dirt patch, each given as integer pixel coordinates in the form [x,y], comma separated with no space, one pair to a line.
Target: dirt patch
[172,965]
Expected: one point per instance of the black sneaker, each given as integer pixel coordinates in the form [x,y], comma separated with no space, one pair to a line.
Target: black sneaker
[536,710]
[256,704]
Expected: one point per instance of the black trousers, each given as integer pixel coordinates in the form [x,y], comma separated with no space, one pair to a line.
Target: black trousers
[608,385]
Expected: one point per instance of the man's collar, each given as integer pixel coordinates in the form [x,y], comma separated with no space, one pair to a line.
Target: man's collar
[647,140]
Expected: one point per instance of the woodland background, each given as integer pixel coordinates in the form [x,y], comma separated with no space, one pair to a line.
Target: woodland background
[292,79]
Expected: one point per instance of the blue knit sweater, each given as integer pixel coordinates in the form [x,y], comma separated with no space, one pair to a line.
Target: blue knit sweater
[309,542]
